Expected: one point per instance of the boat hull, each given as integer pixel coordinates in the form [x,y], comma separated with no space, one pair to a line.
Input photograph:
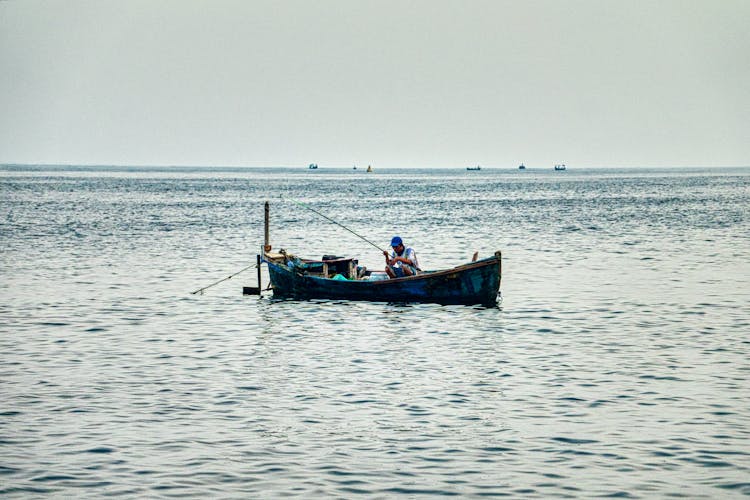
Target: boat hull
[473,283]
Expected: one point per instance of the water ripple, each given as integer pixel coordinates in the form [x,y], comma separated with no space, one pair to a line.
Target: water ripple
[616,365]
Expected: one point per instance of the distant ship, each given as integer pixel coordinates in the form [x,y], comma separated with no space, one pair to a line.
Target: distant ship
[312,166]
[474,168]
[369,168]
[521,167]
[560,167]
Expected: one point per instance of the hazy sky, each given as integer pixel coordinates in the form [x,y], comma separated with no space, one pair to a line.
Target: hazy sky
[388,83]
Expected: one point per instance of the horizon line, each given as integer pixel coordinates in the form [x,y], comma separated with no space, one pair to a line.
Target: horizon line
[338,167]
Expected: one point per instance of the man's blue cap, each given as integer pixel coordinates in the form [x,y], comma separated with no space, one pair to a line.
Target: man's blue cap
[396,241]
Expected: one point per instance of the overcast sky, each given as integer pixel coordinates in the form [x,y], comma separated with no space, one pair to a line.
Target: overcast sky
[389,83]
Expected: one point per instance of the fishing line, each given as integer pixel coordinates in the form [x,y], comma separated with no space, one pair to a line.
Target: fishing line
[333,221]
[224,279]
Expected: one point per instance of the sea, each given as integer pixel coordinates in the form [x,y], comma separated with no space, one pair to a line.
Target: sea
[615,364]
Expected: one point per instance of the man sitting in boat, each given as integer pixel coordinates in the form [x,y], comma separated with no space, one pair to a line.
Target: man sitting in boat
[402,261]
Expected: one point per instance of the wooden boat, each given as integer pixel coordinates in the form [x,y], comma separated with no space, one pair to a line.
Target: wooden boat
[474,168]
[333,277]
[341,278]
[560,167]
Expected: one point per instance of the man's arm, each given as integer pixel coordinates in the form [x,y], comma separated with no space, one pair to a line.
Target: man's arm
[409,258]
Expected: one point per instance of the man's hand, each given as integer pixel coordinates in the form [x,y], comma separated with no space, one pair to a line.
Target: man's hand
[388,262]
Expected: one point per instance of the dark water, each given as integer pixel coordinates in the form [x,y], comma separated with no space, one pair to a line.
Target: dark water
[616,364]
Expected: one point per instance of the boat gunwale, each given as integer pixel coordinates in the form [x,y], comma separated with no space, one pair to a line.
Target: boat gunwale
[424,276]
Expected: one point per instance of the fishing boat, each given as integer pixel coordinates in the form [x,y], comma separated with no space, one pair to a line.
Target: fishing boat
[474,168]
[342,278]
[560,166]
[312,166]
[521,167]
[335,277]
[369,168]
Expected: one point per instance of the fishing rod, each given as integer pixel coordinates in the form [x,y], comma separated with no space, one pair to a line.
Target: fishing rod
[333,221]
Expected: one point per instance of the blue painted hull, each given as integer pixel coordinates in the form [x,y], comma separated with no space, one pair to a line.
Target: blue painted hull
[474,283]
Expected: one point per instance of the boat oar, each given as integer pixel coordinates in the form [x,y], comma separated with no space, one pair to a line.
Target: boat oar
[331,220]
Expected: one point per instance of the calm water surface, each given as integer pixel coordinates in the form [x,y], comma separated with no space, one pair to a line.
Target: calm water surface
[615,365]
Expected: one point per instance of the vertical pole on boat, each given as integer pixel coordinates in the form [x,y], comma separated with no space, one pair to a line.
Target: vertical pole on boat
[266,240]
[248,290]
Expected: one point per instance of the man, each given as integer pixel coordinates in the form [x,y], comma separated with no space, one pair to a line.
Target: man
[402,261]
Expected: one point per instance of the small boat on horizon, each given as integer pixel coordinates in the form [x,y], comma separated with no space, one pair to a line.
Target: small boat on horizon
[369,168]
[560,166]
[312,166]
[474,168]
[521,167]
